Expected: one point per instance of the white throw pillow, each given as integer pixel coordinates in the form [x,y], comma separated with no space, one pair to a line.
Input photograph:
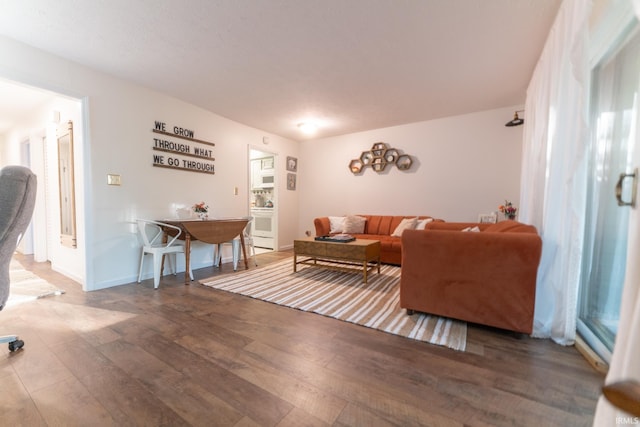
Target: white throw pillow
[354,224]
[405,224]
[422,223]
[472,229]
[336,224]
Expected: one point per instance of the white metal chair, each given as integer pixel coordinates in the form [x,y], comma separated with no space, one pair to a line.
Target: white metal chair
[235,247]
[151,233]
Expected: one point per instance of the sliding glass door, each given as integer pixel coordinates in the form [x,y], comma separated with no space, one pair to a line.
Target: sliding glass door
[614,125]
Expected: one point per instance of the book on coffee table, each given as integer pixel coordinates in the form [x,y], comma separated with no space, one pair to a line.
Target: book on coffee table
[341,238]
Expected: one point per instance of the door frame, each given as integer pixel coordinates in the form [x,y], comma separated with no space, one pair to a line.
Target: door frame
[251,147]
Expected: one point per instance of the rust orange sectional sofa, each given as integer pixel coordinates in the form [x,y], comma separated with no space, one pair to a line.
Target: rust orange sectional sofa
[486,277]
[376,227]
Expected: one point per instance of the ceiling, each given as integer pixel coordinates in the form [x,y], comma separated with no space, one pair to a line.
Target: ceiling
[350,65]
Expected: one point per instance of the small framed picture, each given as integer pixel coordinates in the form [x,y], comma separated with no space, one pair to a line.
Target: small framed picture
[490,218]
[291,181]
[292,164]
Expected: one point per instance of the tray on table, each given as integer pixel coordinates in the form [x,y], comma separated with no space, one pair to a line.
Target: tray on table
[340,238]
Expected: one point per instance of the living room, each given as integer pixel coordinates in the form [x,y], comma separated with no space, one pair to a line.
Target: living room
[114,118]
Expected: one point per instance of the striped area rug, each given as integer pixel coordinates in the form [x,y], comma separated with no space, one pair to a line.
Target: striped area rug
[343,296]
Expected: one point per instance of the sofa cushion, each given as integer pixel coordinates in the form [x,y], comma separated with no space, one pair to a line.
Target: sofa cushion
[422,223]
[354,224]
[390,247]
[383,224]
[405,224]
[336,224]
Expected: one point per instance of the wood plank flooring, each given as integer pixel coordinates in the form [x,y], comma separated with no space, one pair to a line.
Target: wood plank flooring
[194,356]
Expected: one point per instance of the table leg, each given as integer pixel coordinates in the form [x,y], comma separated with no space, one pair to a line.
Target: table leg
[365,267]
[187,258]
[244,251]
[295,262]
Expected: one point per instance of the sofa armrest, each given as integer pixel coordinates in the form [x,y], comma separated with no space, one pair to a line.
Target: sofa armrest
[323,227]
[455,226]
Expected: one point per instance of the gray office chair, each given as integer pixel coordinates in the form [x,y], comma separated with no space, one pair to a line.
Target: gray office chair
[17,200]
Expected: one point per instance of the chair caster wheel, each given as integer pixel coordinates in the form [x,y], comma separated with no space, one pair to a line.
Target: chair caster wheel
[16,345]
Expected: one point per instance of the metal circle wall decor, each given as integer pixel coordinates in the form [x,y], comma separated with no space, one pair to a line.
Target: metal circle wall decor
[379,157]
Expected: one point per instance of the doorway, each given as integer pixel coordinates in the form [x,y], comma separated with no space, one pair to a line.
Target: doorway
[31,118]
[262,199]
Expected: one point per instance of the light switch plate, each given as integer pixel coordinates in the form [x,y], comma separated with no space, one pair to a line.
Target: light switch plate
[113,179]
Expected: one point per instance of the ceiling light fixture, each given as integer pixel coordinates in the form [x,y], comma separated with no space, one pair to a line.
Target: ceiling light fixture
[307,127]
[517,121]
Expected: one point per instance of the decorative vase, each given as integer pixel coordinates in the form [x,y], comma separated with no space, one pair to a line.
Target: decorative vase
[511,216]
[203,215]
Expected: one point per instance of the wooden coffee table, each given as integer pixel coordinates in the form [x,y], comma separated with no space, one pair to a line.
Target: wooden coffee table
[360,255]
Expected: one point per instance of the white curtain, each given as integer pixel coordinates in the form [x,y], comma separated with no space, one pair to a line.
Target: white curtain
[553,194]
[553,189]
[625,364]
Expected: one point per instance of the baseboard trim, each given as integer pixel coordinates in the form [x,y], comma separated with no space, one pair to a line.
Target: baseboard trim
[594,360]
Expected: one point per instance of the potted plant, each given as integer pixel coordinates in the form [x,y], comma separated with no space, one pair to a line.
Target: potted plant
[508,210]
[202,210]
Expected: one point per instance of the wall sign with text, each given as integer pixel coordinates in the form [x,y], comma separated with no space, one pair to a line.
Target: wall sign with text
[193,156]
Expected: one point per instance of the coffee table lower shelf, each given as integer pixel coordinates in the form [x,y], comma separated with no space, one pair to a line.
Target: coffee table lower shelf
[350,267]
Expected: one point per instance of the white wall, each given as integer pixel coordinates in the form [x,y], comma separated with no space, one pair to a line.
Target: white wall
[463,166]
[117,139]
